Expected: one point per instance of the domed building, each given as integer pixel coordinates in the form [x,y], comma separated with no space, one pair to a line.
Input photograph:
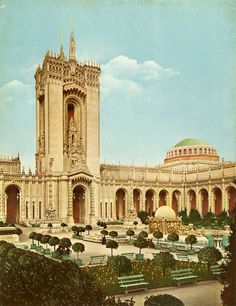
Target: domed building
[190,151]
[70,185]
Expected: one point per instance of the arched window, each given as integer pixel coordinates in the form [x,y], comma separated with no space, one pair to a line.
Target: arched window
[70,112]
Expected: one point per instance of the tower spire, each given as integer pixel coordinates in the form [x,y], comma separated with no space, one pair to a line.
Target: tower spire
[72,43]
[62,41]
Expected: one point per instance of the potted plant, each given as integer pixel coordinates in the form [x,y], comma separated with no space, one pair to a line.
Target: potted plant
[44,240]
[78,248]
[130,233]
[111,244]
[135,223]
[49,227]
[140,243]
[54,241]
[81,230]
[64,248]
[158,235]
[74,229]
[191,239]
[88,228]
[104,233]
[173,237]
[143,234]
[38,237]
[113,234]
[32,237]
[63,225]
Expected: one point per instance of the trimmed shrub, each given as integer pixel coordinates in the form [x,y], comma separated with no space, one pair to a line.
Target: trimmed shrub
[162,300]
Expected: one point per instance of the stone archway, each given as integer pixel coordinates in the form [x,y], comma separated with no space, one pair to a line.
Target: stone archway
[13,203]
[163,194]
[176,201]
[204,201]
[120,203]
[136,199]
[231,195]
[79,207]
[217,197]
[149,201]
[192,199]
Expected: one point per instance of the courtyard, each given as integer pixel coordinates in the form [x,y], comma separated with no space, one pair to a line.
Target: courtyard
[205,293]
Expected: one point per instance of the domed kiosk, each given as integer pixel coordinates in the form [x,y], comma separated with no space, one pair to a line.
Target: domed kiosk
[166,221]
[192,149]
[165,212]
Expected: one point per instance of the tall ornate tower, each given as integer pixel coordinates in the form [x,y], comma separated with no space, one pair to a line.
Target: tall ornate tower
[67,114]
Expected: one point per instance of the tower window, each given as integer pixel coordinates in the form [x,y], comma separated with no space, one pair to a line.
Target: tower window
[70,112]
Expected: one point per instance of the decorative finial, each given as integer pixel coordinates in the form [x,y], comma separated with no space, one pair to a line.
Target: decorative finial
[62,41]
[72,43]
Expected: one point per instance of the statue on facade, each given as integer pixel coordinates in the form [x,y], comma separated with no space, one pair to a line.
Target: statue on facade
[50,212]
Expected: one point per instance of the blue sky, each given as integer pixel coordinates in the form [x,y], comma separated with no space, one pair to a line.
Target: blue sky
[168,72]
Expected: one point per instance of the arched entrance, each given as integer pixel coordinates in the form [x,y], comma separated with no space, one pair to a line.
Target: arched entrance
[231,195]
[192,199]
[217,196]
[204,201]
[120,203]
[175,201]
[163,194]
[149,201]
[136,199]
[13,200]
[79,200]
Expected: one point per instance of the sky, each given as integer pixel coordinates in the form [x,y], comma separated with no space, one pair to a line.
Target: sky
[168,72]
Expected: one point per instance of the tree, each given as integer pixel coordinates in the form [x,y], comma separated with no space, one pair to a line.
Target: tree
[135,223]
[78,248]
[37,280]
[158,235]
[194,216]
[120,264]
[143,234]
[104,232]
[113,234]
[45,239]
[54,241]
[208,219]
[112,244]
[88,228]
[210,255]
[141,243]
[164,260]
[173,237]
[143,216]
[38,237]
[74,229]
[80,229]
[63,225]
[32,236]
[162,300]
[49,227]
[184,216]
[64,246]
[228,277]
[130,233]
[191,239]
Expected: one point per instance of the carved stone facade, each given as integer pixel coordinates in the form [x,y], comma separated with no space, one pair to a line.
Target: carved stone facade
[70,184]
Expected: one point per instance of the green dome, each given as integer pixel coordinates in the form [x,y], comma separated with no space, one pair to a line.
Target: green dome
[191,142]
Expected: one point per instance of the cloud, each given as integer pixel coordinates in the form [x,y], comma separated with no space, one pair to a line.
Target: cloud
[125,75]
[2,6]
